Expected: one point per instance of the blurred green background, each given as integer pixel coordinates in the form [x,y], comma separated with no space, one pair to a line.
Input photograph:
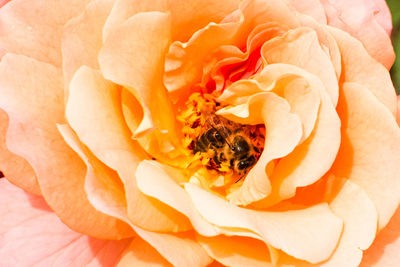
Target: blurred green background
[394,6]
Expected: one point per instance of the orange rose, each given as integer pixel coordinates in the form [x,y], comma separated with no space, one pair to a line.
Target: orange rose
[241,133]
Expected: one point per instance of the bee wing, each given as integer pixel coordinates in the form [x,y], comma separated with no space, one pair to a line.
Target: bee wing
[219,124]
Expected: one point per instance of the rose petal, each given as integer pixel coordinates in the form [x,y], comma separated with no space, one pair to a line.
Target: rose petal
[351,203]
[284,131]
[157,181]
[133,56]
[32,235]
[102,184]
[105,194]
[187,16]
[385,249]
[369,154]
[94,107]
[236,251]
[359,67]
[310,234]
[184,61]
[286,49]
[312,8]
[140,253]
[82,38]
[35,28]
[17,169]
[359,19]
[32,95]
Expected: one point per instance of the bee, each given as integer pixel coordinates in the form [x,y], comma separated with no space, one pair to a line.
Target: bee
[230,143]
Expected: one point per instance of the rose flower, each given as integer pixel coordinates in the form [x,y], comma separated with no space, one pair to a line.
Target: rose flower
[197,132]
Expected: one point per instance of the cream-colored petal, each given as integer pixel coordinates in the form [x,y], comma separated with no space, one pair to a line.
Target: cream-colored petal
[94,112]
[82,39]
[369,154]
[162,183]
[312,58]
[360,219]
[133,56]
[359,67]
[310,234]
[236,251]
[35,28]
[349,202]
[32,95]
[312,8]
[384,252]
[140,253]
[283,133]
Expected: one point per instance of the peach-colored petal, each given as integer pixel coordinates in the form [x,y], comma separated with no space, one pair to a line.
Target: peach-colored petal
[35,28]
[179,249]
[310,234]
[82,38]
[283,134]
[187,16]
[351,203]
[133,56]
[360,67]
[104,192]
[369,154]
[184,60]
[32,95]
[236,251]
[140,253]
[32,235]
[102,184]
[94,107]
[17,169]
[312,8]
[359,18]
[157,181]
[385,249]
[312,58]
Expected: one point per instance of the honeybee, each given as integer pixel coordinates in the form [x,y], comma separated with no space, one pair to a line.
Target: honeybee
[230,143]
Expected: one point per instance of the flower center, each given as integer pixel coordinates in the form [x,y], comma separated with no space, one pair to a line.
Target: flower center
[223,147]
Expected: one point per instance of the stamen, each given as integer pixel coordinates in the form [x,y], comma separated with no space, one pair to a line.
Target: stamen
[210,139]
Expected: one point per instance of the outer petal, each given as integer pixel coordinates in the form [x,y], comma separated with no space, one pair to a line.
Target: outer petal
[367,20]
[359,67]
[32,235]
[312,8]
[35,28]
[17,169]
[369,154]
[349,202]
[82,38]
[140,253]
[94,107]
[32,95]
[385,249]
